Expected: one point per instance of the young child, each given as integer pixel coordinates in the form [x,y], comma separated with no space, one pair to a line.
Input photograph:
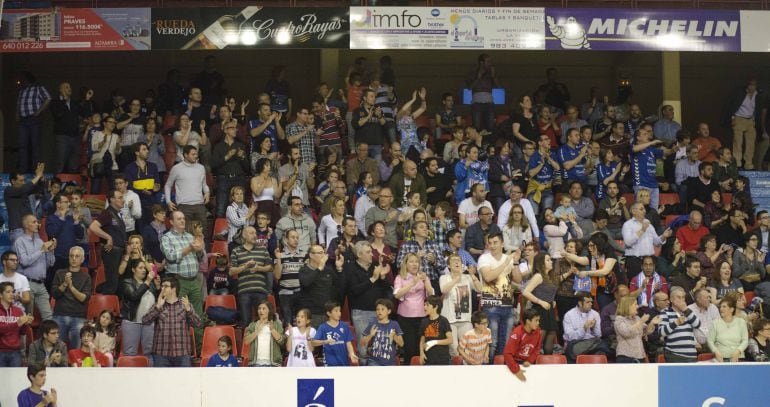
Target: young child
[457,292]
[265,337]
[565,211]
[35,395]
[523,344]
[336,338]
[298,340]
[219,281]
[435,334]
[105,335]
[224,356]
[474,345]
[383,337]
[364,182]
[87,355]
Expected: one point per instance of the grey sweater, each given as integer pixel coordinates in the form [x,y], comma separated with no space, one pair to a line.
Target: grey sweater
[190,182]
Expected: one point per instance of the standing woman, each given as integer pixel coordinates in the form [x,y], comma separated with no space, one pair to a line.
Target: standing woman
[156,144]
[728,337]
[238,214]
[500,174]
[265,150]
[604,269]
[411,287]
[186,135]
[523,123]
[607,171]
[105,145]
[541,291]
[266,191]
[331,224]
[630,328]
[138,295]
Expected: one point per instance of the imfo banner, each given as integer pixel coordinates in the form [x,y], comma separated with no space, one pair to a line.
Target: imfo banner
[75,29]
[446,28]
[249,27]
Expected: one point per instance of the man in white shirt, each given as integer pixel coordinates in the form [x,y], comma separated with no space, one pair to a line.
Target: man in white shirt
[505,210]
[363,204]
[583,329]
[132,204]
[640,239]
[21,290]
[707,313]
[469,207]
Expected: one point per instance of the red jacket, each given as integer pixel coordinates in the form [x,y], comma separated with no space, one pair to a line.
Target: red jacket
[9,328]
[521,346]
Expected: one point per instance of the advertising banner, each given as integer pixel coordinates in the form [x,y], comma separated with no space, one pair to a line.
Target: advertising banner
[642,30]
[447,28]
[250,27]
[755,33]
[75,29]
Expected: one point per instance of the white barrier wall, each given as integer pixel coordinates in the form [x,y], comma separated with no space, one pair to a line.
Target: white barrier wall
[451,386]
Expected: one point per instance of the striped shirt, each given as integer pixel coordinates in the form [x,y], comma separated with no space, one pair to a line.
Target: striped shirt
[291,262]
[172,326]
[172,243]
[251,281]
[331,123]
[306,143]
[31,98]
[679,339]
[474,345]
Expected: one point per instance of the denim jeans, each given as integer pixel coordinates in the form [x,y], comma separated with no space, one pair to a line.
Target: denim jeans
[69,329]
[289,303]
[10,359]
[30,130]
[654,195]
[41,300]
[67,153]
[135,333]
[361,319]
[375,151]
[171,361]
[247,302]
[483,116]
[546,201]
[500,323]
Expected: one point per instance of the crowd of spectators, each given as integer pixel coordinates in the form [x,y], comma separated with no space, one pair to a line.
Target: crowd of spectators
[369,230]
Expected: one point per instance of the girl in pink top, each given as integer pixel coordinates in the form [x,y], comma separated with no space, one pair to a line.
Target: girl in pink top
[411,287]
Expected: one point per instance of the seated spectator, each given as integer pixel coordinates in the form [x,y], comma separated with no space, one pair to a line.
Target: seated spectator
[12,321]
[709,256]
[729,336]
[86,354]
[48,350]
[723,282]
[608,312]
[224,356]
[583,330]
[759,345]
[733,231]
[725,169]
[699,188]
[648,282]
[708,146]
[523,345]
[748,263]
[691,235]
[106,332]
[71,289]
[219,281]
[747,314]
[476,234]
[516,199]
[35,396]
[677,326]
[516,231]
[707,313]
[541,291]
[691,280]
[615,206]
[359,164]
[171,315]
[688,167]
[138,293]
[716,212]
[265,333]
[629,328]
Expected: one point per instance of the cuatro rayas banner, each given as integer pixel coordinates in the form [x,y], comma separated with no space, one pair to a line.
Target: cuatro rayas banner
[639,29]
[75,29]
[250,27]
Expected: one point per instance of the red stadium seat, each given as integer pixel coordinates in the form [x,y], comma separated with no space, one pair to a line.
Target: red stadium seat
[749,295]
[499,360]
[551,360]
[41,231]
[65,178]
[457,360]
[99,303]
[133,361]
[423,121]
[99,277]
[211,336]
[668,199]
[591,359]
[661,359]
[415,361]
[727,198]
[220,246]
[204,361]
[227,301]
[705,357]
[629,198]
[245,352]
[501,118]
[220,227]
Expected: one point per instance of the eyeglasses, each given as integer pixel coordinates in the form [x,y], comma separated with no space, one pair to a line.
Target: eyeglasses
[517,212]
[316,252]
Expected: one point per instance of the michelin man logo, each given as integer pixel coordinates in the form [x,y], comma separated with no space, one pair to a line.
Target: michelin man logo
[571,34]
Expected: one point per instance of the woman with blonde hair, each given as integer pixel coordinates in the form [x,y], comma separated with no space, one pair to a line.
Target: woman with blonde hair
[630,328]
[411,287]
[516,232]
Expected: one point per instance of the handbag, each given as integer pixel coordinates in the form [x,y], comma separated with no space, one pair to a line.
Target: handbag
[102,168]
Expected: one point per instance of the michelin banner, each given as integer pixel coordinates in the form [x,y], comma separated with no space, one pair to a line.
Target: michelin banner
[644,30]
[75,29]
[195,28]
[510,28]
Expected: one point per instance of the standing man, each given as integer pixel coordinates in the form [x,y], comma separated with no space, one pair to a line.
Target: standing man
[542,166]
[302,133]
[403,183]
[300,221]
[745,108]
[192,191]
[173,317]
[35,257]
[644,155]
[183,254]
[476,235]
[582,324]
[516,198]
[482,81]
[385,213]
[267,123]
[499,273]
[320,282]
[109,226]
[66,229]
[677,326]
[640,239]
[369,125]
[229,164]
[330,125]
[143,178]
[17,200]
[72,290]
[32,101]
[296,178]
[66,121]
[250,263]
[286,272]
[572,158]
[360,163]
[131,211]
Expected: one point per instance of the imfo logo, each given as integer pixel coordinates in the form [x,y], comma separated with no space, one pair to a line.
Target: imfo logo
[376,20]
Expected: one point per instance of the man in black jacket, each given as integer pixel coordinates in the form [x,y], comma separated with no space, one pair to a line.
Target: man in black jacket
[319,283]
[66,128]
